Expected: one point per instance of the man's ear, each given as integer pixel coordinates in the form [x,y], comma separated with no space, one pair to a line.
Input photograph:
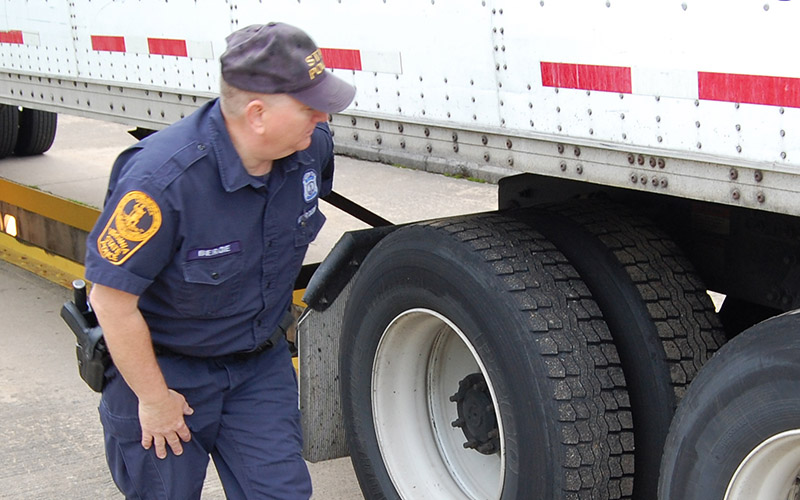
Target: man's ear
[255,115]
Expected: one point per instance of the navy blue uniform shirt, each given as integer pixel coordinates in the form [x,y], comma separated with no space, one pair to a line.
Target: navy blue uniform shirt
[212,252]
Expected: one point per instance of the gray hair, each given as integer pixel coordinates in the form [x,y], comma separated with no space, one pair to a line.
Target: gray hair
[233,100]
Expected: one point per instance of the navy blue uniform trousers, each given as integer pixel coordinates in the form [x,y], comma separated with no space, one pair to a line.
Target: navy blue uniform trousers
[246,418]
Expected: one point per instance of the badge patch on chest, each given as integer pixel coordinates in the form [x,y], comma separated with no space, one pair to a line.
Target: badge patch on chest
[310,189]
[135,220]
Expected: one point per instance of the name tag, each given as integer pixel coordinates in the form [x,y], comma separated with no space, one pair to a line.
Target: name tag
[213,253]
[306,215]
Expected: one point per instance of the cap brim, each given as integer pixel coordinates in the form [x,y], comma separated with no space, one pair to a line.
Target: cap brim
[330,95]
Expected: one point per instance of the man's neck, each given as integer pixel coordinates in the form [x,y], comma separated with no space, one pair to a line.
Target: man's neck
[258,168]
[253,165]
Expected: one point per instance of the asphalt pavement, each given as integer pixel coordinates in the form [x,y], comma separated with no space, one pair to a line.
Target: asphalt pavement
[50,435]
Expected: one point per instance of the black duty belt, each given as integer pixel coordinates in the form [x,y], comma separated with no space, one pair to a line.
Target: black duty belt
[275,336]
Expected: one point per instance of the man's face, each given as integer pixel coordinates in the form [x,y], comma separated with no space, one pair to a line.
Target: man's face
[289,124]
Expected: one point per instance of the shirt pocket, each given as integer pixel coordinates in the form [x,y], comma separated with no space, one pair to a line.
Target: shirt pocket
[210,287]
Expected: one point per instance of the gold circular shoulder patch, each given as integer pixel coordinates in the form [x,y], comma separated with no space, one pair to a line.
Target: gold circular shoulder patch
[135,220]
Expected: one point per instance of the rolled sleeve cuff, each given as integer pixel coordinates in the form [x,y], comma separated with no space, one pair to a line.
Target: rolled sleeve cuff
[106,274]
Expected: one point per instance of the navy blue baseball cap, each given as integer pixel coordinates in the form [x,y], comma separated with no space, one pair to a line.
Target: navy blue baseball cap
[278,58]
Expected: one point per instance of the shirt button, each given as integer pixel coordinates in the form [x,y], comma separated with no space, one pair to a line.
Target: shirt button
[201,147]
[215,275]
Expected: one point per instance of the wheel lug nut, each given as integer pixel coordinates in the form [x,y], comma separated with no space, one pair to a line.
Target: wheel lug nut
[459,422]
[485,448]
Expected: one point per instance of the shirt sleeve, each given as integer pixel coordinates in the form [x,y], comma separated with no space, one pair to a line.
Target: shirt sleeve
[133,239]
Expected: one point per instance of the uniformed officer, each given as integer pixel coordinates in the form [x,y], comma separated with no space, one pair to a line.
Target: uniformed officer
[193,260]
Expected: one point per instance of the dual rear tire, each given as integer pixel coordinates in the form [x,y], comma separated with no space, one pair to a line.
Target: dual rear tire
[26,132]
[657,309]
[476,365]
[460,330]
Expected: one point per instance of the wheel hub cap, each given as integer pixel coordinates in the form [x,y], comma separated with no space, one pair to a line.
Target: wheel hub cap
[476,415]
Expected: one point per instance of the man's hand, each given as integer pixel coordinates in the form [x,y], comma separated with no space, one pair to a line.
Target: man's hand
[163,424]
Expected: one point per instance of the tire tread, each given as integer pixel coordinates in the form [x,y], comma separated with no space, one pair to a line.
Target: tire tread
[9,125]
[575,344]
[37,131]
[689,329]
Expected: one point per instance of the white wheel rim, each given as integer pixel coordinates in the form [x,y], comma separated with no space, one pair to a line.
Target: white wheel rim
[420,359]
[770,471]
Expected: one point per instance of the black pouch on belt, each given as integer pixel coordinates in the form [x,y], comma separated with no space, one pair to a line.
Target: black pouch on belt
[280,331]
[90,348]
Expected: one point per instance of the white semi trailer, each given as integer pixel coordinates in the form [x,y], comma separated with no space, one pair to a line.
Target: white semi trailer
[646,152]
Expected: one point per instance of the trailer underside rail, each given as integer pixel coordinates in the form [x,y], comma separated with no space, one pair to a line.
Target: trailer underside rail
[122,104]
[491,154]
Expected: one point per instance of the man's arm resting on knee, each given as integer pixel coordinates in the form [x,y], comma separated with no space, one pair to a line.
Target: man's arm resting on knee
[127,336]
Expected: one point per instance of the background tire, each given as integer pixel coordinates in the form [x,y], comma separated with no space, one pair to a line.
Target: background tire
[741,412]
[9,129]
[434,304]
[660,316]
[37,131]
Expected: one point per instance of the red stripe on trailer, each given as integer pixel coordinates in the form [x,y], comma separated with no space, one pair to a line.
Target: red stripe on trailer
[750,89]
[342,58]
[108,43]
[586,77]
[167,47]
[13,36]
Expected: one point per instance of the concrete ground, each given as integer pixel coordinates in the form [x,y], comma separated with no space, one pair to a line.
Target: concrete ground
[50,435]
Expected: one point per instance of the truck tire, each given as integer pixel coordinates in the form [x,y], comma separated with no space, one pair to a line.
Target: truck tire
[736,435]
[9,129]
[476,365]
[657,309]
[37,131]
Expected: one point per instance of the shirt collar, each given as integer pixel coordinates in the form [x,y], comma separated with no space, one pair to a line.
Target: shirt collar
[231,170]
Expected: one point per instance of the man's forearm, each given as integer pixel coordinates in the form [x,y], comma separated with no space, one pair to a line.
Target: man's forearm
[128,339]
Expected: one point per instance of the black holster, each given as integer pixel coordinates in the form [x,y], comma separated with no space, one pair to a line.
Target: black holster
[90,348]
